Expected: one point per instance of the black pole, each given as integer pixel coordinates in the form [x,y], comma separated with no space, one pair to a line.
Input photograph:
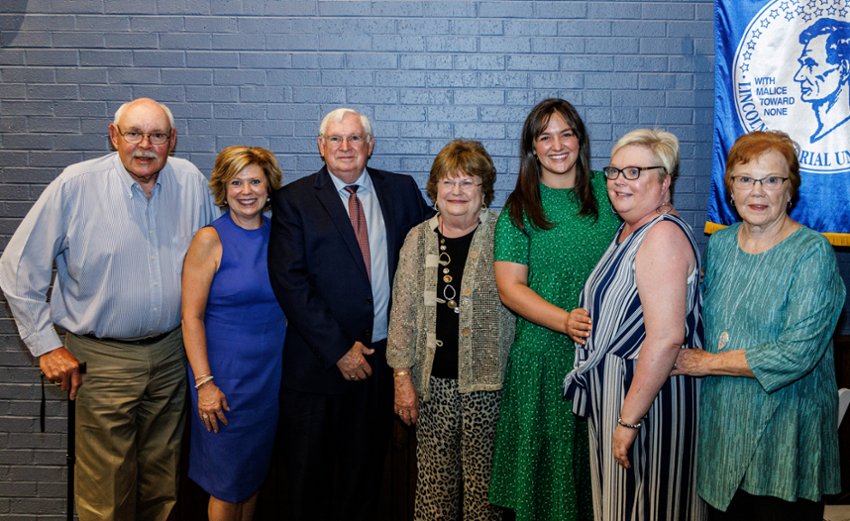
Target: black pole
[71,457]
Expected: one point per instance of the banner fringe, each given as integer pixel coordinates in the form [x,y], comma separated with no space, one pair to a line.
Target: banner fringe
[711,227]
[836,239]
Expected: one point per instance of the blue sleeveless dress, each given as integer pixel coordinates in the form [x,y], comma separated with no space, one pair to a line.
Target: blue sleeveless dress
[245,328]
[661,485]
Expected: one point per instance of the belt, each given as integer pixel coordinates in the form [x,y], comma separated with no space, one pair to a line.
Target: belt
[135,342]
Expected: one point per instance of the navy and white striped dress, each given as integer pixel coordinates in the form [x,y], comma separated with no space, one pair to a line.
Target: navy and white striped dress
[661,485]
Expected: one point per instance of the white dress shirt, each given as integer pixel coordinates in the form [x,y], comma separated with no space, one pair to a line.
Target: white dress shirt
[119,256]
[377,248]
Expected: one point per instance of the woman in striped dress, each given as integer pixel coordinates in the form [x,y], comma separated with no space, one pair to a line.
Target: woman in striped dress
[640,306]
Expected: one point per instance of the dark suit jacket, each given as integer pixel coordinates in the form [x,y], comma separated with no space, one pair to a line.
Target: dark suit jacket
[319,277]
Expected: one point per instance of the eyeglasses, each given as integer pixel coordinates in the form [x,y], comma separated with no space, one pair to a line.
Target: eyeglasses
[770,183]
[353,140]
[465,185]
[630,172]
[156,138]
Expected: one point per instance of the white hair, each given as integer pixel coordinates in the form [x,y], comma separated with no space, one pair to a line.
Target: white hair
[337,116]
[123,108]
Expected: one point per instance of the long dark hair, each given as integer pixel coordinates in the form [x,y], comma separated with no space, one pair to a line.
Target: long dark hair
[525,199]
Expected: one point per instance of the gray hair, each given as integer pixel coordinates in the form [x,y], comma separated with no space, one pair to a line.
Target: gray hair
[337,116]
[123,108]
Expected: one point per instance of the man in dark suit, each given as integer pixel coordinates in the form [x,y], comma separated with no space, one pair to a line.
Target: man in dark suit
[333,252]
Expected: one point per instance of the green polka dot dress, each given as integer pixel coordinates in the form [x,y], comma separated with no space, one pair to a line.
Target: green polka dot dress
[541,467]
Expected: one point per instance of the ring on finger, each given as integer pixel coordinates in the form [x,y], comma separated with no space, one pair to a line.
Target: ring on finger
[206,416]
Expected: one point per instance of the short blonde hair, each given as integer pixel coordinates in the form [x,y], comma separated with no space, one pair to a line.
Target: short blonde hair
[663,144]
[233,160]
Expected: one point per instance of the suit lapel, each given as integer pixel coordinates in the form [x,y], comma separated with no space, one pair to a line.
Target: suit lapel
[329,199]
[386,201]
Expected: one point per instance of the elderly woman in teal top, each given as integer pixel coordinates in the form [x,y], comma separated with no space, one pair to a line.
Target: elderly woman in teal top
[768,433]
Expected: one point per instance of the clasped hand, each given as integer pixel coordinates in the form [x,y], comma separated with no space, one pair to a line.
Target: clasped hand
[353,364]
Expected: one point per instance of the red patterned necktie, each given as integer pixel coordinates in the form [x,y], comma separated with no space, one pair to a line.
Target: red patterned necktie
[358,222]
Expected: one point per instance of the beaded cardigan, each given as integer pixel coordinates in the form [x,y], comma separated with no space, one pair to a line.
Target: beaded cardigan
[486,327]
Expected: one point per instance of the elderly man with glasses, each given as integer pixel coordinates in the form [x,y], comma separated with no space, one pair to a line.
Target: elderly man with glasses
[333,250]
[117,228]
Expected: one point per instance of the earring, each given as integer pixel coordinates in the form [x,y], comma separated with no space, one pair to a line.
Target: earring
[789,204]
[612,210]
[732,202]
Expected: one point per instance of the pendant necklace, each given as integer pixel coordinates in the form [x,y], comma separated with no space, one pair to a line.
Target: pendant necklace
[724,337]
[447,278]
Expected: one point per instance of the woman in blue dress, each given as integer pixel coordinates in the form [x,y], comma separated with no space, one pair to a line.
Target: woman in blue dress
[233,332]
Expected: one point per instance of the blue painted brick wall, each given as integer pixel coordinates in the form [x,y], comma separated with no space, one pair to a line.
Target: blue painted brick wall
[263,72]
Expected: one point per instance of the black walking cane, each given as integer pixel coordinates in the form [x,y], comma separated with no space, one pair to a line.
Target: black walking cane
[70,456]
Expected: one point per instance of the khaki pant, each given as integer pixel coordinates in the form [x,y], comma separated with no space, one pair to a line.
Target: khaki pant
[130,419]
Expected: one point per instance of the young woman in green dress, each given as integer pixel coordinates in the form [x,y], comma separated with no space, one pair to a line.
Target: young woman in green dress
[554,228]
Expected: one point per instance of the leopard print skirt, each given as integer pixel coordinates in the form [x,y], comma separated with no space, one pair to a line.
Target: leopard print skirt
[455,436]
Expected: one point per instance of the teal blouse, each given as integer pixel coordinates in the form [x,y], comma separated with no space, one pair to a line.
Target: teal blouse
[775,434]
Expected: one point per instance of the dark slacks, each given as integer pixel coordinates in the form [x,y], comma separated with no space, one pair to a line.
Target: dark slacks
[747,507]
[349,433]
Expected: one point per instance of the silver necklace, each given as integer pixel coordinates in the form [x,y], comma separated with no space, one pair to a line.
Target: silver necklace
[447,278]
[724,337]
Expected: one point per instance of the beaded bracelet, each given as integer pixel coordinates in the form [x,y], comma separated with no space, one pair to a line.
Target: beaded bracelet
[627,425]
[202,382]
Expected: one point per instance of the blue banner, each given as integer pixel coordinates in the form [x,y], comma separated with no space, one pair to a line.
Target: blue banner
[785,65]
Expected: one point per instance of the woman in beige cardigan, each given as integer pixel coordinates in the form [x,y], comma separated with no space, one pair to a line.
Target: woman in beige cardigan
[449,337]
